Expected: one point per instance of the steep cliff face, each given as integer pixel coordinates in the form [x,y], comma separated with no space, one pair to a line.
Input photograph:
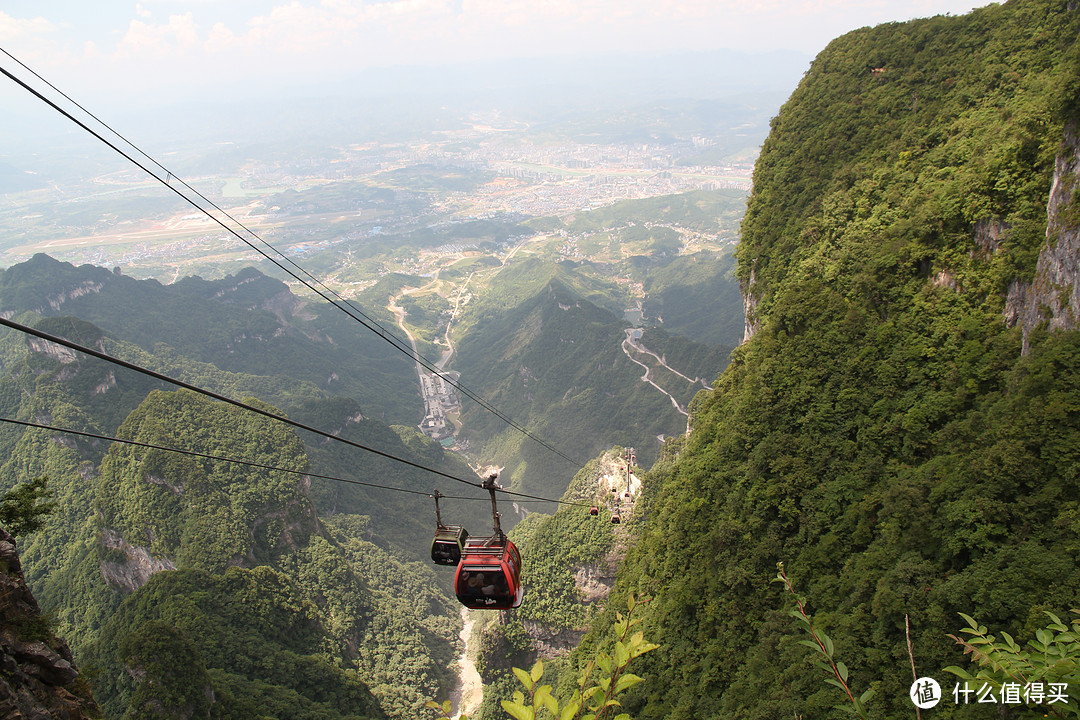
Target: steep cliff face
[38,677]
[1053,296]
[881,432]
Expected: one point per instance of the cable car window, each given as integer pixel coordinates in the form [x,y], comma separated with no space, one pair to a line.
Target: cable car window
[483,581]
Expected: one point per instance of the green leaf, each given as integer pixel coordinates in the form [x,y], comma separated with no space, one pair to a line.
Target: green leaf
[644,648]
[959,672]
[970,621]
[537,670]
[589,694]
[603,661]
[841,668]
[524,678]
[518,711]
[626,680]
[543,698]
[569,711]
[1054,618]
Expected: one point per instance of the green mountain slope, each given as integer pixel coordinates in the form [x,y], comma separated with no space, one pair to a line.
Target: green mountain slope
[245,323]
[695,296]
[883,433]
[152,559]
[553,361]
[569,558]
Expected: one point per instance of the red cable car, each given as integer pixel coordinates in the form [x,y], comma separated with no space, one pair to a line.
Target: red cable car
[489,575]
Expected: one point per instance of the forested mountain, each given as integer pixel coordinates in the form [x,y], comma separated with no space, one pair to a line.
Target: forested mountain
[553,361]
[195,585]
[900,430]
[246,323]
[229,587]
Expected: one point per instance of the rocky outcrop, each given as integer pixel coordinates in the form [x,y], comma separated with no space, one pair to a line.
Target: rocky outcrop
[549,642]
[1053,297]
[751,322]
[38,677]
[55,302]
[61,354]
[595,580]
[137,567]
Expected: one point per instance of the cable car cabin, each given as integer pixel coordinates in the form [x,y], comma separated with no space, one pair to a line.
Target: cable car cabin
[448,545]
[489,576]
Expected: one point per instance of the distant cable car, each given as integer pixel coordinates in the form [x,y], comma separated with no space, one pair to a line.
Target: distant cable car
[448,545]
[615,518]
[449,541]
[489,573]
[594,510]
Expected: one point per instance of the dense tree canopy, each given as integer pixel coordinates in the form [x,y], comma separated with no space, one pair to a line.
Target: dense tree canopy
[881,434]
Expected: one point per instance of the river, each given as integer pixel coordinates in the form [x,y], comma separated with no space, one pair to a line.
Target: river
[470,692]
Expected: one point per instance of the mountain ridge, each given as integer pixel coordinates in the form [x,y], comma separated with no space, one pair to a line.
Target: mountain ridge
[881,431]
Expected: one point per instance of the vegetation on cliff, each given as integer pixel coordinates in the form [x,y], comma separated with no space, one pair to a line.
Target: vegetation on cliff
[199,585]
[881,433]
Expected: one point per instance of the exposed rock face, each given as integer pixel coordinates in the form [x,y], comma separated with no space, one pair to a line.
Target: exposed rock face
[1054,295]
[87,287]
[138,566]
[548,642]
[750,302]
[61,354]
[988,235]
[595,580]
[38,677]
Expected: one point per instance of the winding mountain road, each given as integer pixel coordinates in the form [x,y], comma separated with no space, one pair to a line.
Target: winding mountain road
[630,346]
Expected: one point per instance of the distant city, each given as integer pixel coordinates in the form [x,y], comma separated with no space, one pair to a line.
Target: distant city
[309,203]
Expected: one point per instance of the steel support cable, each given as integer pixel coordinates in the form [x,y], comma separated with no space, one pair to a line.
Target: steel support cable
[207,456]
[348,308]
[218,396]
[64,342]
[378,327]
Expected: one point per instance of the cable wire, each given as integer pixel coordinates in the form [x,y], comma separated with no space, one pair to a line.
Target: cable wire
[218,396]
[347,307]
[64,342]
[207,456]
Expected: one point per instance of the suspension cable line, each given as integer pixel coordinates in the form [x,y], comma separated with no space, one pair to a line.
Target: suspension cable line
[64,342]
[346,306]
[208,456]
[218,396]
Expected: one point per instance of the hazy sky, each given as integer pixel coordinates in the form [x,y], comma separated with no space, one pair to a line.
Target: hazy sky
[108,46]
